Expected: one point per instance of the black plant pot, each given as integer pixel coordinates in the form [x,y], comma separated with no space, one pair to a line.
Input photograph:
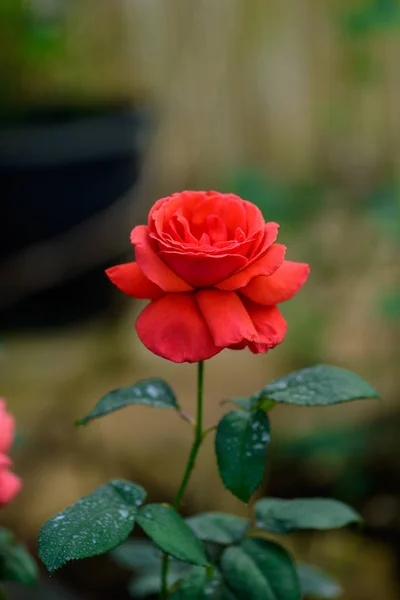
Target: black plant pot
[58,170]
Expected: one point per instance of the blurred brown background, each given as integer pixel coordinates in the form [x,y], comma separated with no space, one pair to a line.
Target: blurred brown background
[106,106]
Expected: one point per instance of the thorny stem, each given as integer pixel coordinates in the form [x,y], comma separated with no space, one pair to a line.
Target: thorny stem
[198,438]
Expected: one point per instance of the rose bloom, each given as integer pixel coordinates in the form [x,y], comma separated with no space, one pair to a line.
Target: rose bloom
[209,264]
[10,484]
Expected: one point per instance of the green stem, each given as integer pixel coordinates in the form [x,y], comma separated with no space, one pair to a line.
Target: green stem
[198,438]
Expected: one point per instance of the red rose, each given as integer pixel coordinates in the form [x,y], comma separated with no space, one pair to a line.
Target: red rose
[214,274]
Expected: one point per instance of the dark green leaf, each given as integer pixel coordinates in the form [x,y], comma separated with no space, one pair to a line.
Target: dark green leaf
[148,582]
[149,392]
[94,525]
[219,527]
[321,385]
[16,564]
[137,554]
[169,531]
[241,446]
[315,583]
[283,516]
[260,569]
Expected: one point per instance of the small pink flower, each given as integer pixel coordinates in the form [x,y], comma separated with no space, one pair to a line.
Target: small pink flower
[10,484]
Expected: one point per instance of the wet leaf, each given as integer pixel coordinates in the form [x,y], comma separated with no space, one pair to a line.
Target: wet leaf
[149,392]
[283,516]
[241,447]
[94,525]
[219,527]
[321,385]
[260,569]
[169,531]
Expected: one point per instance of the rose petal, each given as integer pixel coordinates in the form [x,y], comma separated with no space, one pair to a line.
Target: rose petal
[279,287]
[173,327]
[130,279]
[269,323]
[203,270]
[230,208]
[263,240]
[226,317]
[266,265]
[152,265]
[217,229]
[5,461]
[10,485]
[254,218]
[7,428]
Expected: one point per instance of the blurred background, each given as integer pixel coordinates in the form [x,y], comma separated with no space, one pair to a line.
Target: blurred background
[106,106]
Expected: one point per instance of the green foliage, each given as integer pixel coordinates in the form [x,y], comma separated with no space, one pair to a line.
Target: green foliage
[94,525]
[149,392]
[16,564]
[241,447]
[170,532]
[284,516]
[219,527]
[260,569]
[238,563]
[315,583]
[373,15]
[321,385]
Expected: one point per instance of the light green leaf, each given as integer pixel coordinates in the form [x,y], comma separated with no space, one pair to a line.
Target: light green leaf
[16,564]
[315,583]
[260,569]
[169,531]
[241,446]
[94,525]
[283,516]
[149,392]
[219,527]
[321,385]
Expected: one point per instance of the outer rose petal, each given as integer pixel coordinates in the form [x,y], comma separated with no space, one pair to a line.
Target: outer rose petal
[7,428]
[10,485]
[266,265]
[152,265]
[202,270]
[280,286]
[226,317]
[173,327]
[130,280]
[270,326]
